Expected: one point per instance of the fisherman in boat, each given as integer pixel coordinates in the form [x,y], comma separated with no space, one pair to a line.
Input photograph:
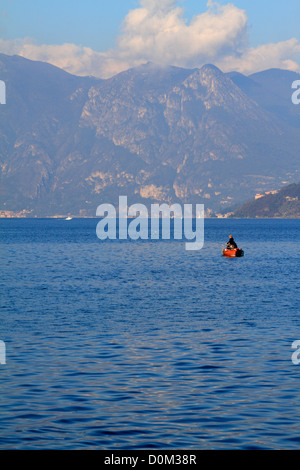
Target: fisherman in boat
[231,243]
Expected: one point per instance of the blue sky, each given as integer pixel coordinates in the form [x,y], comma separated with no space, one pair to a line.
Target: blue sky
[92,23]
[96,24]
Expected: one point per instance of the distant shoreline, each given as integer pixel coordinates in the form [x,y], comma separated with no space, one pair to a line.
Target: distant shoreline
[149,218]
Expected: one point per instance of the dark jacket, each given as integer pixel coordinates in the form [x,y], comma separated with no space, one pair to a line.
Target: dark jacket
[231,243]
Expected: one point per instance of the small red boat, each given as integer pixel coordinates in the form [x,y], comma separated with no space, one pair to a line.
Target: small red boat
[233,253]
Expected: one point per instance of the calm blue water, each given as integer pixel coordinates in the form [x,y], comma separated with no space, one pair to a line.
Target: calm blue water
[140,345]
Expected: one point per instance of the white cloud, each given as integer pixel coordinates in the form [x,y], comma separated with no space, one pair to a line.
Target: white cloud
[74,59]
[274,55]
[157,31]
[163,35]
[158,5]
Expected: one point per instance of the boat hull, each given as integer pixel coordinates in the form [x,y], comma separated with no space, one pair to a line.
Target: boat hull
[235,253]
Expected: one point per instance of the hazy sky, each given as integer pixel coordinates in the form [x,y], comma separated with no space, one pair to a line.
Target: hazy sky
[100,37]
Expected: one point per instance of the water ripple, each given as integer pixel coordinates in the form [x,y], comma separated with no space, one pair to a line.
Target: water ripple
[143,345]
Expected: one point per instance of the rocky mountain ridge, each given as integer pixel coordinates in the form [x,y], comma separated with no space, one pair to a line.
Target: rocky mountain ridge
[155,134]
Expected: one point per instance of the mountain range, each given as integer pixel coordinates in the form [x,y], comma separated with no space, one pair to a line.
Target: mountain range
[153,133]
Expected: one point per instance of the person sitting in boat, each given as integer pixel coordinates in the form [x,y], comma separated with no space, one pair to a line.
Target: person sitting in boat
[231,243]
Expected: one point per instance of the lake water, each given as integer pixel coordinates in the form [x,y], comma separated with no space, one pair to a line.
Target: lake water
[144,345]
